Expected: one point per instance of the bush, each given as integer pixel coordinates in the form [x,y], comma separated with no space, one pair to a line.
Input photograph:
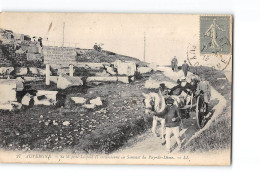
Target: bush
[115,136]
[138,75]
[218,135]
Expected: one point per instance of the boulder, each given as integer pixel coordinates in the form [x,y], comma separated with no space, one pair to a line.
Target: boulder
[89,106]
[125,68]
[7,91]
[26,99]
[49,94]
[11,106]
[123,79]
[66,123]
[143,70]
[116,63]
[44,97]
[6,106]
[65,81]
[63,71]
[34,70]
[20,51]
[94,66]
[153,66]
[42,72]
[30,79]
[78,100]
[102,79]
[41,100]
[34,57]
[132,78]
[103,73]
[21,71]
[110,70]
[55,123]
[6,70]
[54,79]
[91,65]
[97,101]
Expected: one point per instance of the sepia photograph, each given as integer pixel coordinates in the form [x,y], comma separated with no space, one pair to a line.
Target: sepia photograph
[116,88]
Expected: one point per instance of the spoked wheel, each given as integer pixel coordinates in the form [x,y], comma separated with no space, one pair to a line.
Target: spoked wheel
[201,110]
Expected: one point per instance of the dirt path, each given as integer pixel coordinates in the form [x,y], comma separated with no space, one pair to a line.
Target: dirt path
[148,144]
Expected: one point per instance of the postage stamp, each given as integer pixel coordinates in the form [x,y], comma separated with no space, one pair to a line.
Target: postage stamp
[215,34]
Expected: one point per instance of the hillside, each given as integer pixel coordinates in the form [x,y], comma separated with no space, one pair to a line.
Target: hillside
[91,55]
[218,135]
[20,50]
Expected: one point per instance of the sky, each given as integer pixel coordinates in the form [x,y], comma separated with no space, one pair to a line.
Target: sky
[166,35]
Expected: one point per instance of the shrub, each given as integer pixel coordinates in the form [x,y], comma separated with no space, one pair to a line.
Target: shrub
[138,75]
[114,136]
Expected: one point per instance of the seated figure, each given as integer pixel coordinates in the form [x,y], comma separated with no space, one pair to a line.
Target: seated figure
[183,92]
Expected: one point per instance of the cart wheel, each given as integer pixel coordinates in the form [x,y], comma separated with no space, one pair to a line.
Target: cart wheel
[200,112]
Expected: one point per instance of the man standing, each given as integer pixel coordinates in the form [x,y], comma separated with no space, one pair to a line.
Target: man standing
[204,87]
[174,64]
[185,68]
[172,123]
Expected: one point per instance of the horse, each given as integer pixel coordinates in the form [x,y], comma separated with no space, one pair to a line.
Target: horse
[155,102]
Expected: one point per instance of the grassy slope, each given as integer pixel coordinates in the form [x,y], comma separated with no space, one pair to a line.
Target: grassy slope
[218,136]
[91,55]
[101,130]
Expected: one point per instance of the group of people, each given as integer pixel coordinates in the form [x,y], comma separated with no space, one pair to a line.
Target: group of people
[185,67]
[174,99]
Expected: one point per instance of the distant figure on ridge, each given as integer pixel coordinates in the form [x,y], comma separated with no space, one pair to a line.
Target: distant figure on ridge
[174,64]
[185,68]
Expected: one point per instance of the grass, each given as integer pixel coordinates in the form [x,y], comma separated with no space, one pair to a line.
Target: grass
[218,135]
[91,55]
[102,130]
[111,138]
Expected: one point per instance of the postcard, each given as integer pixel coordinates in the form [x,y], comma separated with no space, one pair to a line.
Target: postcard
[107,88]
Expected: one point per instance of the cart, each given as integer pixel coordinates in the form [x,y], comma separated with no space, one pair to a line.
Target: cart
[198,106]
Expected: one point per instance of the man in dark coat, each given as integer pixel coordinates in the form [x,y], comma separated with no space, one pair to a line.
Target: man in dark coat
[185,68]
[172,122]
[183,85]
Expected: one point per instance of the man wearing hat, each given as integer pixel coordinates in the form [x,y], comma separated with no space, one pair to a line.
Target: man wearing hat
[174,64]
[185,68]
[181,91]
[172,123]
[204,87]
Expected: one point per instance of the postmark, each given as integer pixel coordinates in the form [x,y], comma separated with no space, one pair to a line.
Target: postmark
[216,61]
[215,35]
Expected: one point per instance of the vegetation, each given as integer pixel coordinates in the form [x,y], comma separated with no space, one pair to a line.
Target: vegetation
[218,135]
